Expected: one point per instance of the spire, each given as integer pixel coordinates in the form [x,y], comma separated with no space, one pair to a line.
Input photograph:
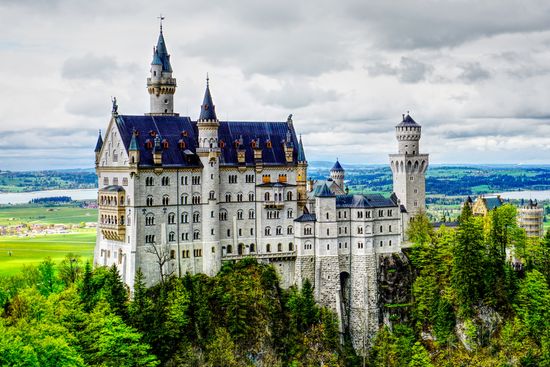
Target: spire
[208,110]
[336,167]
[160,53]
[133,143]
[407,121]
[99,143]
[324,192]
[301,154]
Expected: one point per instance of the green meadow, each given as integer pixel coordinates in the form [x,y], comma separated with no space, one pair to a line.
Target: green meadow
[15,252]
[13,215]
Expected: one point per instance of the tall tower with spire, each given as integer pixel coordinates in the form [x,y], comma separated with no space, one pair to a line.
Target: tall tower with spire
[209,153]
[409,169]
[301,177]
[337,174]
[160,84]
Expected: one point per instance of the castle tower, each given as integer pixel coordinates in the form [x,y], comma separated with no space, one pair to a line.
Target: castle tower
[209,154]
[337,174]
[327,270]
[301,178]
[160,84]
[98,147]
[409,168]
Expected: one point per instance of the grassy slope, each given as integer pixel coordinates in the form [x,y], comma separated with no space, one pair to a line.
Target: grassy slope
[32,250]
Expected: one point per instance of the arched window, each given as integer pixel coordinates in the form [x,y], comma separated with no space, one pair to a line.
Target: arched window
[239,214]
[266,196]
[251,214]
[184,199]
[196,199]
[279,247]
[229,249]
[149,200]
[171,237]
[196,235]
[279,230]
[240,248]
[239,197]
[268,248]
[196,217]
[250,196]
[150,220]
[290,246]
[268,231]
[184,217]
[289,213]
[223,215]
[228,197]
[212,195]
[165,200]
[289,230]
[289,196]
[252,248]
[171,218]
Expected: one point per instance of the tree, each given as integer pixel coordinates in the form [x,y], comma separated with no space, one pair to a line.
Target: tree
[116,293]
[532,303]
[48,282]
[163,259]
[468,261]
[70,269]
[420,356]
[420,230]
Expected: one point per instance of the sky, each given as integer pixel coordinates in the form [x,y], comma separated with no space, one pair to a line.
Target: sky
[475,74]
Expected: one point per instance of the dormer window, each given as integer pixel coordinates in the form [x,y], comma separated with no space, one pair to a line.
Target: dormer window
[153,133]
[181,144]
[268,144]
[165,144]
[148,144]
[253,143]
[236,143]
[222,144]
[184,133]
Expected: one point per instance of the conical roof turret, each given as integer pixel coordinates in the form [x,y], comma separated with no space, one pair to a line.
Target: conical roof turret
[160,54]
[301,154]
[99,143]
[337,167]
[208,110]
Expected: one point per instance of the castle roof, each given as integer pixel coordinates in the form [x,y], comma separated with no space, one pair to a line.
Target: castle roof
[306,217]
[408,121]
[364,201]
[133,144]
[99,143]
[337,167]
[301,154]
[493,202]
[322,191]
[233,135]
[208,110]
[160,55]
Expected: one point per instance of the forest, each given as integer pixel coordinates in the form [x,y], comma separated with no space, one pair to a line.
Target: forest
[470,306]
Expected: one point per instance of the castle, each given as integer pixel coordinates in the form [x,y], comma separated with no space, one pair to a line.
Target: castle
[178,195]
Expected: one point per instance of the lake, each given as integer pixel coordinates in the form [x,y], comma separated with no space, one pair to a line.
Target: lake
[25,197]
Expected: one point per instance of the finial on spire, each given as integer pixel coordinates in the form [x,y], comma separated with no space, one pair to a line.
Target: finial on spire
[207,80]
[161,18]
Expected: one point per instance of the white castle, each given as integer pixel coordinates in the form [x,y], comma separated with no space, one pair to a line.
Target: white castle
[180,196]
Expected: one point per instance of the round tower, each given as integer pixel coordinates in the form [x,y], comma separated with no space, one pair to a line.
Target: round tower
[160,84]
[209,154]
[337,174]
[409,168]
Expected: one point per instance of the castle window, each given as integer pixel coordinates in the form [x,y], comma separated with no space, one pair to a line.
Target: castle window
[115,181]
[328,246]
[149,220]
[367,214]
[212,195]
[249,178]
[183,199]
[380,213]
[389,228]
[390,213]
[307,230]
[232,179]
[251,214]
[415,203]
[196,180]
[196,235]
[411,178]
[105,181]
[125,181]
[240,248]
[185,236]
[252,248]
[229,249]
[196,217]
[149,181]
[327,216]
[148,144]
[359,214]
[250,197]
[149,201]
[381,228]
[184,217]
[171,237]
[266,179]
[290,246]
[289,213]
[359,230]
[345,215]
[165,143]
[165,200]
[267,231]
[165,181]
[223,215]
[171,218]
[289,196]
[181,144]
[196,199]
[115,156]
[308,246]
[268,144]
[212,232]
[239,214]
[289,230]
[228,197]
[240,232]
[279,230]
[221,144]
[381,243]
[252,231]
[279,247]
[184,180]
[339,215]
[266,196]
[150,238]
[239,197]
[360,245]
[197,252]
[389,243]
[228,233]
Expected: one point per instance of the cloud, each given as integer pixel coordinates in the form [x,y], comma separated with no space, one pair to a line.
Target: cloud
[89,66]
[473,72]
[294,94]
[408,70]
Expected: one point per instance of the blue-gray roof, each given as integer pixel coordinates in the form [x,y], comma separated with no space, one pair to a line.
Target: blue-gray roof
[208,110]
[180,134]
[99,143]
[493,202]
[323,191]
[301,154]
[160,55]
[133,143]
[337,167]
[306,217]
[364,201]
[408,121]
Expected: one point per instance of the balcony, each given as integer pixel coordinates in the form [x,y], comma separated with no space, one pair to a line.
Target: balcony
[269,256]
[274,205]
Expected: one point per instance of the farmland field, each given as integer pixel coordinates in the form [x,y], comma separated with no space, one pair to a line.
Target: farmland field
[30,214]
[32,250]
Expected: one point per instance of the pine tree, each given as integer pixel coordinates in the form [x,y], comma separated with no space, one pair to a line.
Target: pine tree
[87,288]
[116,293]
[420,356]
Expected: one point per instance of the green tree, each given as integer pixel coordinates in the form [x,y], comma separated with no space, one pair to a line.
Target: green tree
[468,261]
[70,269]
[48,282]
[532,303]
[420,356]
[116,293]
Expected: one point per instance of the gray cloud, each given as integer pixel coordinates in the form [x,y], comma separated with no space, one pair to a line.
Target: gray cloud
[90,66]
[473,72]
[408,70]
[293,94]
